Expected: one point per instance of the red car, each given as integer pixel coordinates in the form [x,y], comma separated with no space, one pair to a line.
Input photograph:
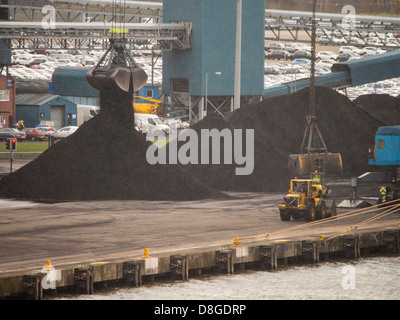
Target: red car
[33,134]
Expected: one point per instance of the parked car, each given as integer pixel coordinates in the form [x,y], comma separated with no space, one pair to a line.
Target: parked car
[274,46]
[279,54]
[350,49]
[11,133]
[33,134]
[36,62]
[357,41]
[48,131]
[41,51]
[326,55]
[150,124]
[65,132]
[22,60]
[301,61]
[291,47]
[301,54]
[343,57]
[271,70]
[330,41]
[372,51]
[324,64]
[303,47]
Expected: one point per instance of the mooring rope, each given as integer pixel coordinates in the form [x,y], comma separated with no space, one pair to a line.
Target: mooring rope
[391,208]
[388,211]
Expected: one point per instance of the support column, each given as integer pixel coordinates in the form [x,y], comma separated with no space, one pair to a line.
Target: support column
[391,240]
[224,261]
[310,250]
[132,272]
[179,267]
[33,287]
[83,280]
[351,246]
[268,257]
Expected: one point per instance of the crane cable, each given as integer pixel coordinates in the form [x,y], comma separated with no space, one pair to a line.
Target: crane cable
[329,219]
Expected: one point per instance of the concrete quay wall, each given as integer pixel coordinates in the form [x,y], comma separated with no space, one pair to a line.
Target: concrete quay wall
[179,265]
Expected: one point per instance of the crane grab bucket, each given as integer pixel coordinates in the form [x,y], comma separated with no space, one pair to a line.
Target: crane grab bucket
[303,164]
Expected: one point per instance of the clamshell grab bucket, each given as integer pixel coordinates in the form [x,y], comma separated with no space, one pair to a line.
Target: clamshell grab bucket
[117,70]
[303,164]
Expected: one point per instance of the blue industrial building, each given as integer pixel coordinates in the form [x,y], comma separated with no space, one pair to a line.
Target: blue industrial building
[148,92]
[387,147]
[36,108]
[208,68]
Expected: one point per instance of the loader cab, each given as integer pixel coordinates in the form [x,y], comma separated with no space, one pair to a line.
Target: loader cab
[300,186]
[306,187]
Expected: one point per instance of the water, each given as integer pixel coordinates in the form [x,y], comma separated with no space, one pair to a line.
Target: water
[375,278]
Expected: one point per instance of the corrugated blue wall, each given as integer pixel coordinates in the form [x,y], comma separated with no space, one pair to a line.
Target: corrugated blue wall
[213,46]
[31,113]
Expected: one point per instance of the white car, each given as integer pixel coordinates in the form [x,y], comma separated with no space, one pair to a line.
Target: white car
[22,60]
[324,64]
[323,40]
[326,55]
[65,132]
[350,49]
[372,51]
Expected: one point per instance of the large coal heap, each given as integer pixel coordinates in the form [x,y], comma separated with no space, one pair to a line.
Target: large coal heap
[106,157]
[382,107]
[279,124]
[102,160]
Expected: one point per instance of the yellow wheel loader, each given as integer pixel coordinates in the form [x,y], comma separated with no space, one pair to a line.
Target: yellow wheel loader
[304,200]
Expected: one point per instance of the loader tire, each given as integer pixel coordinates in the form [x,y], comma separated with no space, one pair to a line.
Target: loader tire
[310,211]
[321,210]
[285,215]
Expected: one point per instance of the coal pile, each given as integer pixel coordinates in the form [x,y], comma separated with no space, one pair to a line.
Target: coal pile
[105,159]
[279,124]
[383,107]
[102,161]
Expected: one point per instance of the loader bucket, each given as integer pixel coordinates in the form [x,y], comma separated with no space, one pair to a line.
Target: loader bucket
[303,164]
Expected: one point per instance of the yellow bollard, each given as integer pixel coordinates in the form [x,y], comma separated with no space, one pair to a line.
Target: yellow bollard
[146,253]
[236,242]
